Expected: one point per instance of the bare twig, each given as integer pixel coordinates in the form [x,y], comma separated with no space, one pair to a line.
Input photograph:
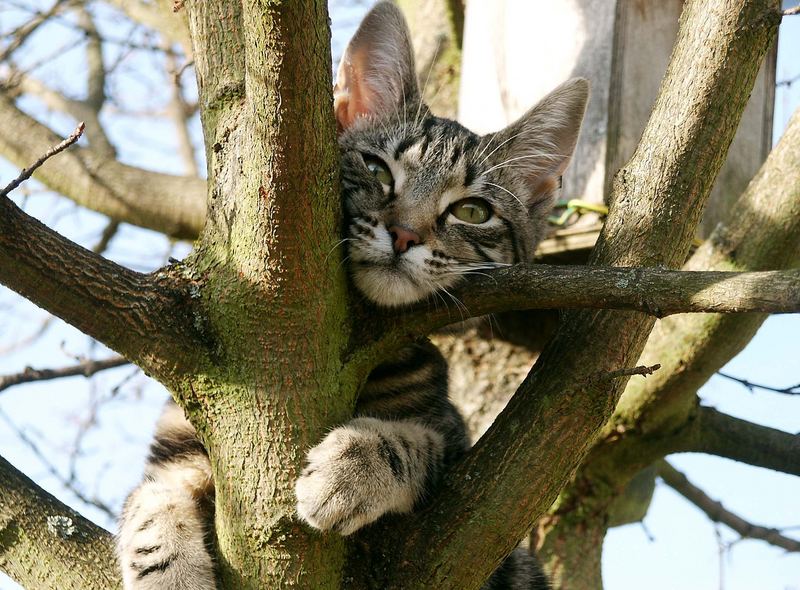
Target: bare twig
[792,11]
[791,390]
[87,369]
[27,172]
[718,513]
[105,238]
[640,370]
[68,482]
[788,82]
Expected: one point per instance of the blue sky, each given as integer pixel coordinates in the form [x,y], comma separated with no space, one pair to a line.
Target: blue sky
[675,547]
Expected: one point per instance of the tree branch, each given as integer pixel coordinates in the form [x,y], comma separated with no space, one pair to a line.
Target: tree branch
[718,513]
[725,436]
[172,205]
[85,369]
[693,348]
[751,387]
[655,291]
[149,319]
[45,544]
[527,456]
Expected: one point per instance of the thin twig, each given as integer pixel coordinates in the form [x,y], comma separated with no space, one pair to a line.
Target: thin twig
[788,82]
[54,472]
[105,238]
[87,369]
[718,513]
[642,370]
[792,11]
[792,390]
[26,174]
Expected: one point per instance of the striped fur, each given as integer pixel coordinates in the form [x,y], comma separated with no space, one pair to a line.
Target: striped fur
[406,431]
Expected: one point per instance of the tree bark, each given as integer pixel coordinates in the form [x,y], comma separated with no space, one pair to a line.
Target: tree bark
[48,546]
[274,298]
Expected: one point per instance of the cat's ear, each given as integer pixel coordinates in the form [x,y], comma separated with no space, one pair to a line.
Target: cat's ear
[540,143]
[376,76]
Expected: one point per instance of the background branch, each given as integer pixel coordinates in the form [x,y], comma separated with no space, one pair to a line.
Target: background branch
[85,369]
[718,513]
[750,386]
[733,438]
[174,205]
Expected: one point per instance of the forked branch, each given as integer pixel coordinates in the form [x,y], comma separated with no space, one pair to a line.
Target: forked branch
[149,319]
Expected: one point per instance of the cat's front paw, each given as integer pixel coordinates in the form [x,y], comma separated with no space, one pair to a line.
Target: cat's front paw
[354,476]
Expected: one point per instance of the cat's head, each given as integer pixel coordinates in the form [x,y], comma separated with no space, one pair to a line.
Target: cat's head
[427,201]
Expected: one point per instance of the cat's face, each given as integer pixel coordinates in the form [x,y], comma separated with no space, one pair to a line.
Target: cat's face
[426,201]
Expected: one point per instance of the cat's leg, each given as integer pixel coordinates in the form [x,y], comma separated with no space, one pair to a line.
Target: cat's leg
[163,539]
[365,469]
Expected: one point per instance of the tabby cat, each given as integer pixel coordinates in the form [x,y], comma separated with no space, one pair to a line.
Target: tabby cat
[426,203]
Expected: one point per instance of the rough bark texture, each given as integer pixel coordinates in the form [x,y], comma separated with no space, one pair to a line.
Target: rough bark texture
[45,545]
[264,75]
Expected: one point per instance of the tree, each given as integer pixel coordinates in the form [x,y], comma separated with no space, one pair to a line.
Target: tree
[263,360]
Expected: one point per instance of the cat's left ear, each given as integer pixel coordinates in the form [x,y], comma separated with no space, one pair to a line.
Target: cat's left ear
[376,76]
[539,144]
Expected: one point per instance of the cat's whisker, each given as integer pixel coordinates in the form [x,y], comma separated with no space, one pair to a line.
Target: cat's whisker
[487,146]
[489,155]
[336,245]
[345,259]
[502,188]
[427,79]
[538,156]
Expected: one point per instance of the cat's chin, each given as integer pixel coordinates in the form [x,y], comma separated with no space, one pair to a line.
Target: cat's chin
[388,287]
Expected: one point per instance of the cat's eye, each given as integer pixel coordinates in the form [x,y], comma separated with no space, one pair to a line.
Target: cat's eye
[379,170]
[471,210]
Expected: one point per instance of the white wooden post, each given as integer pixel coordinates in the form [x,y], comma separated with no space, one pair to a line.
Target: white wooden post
[516,51]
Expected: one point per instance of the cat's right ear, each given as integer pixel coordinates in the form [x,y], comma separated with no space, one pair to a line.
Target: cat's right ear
[376,76]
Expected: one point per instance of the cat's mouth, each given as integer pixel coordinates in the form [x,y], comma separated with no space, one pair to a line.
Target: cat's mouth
[392,282]
[387,278]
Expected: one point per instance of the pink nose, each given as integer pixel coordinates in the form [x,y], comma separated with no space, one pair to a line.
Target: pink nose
[403,238]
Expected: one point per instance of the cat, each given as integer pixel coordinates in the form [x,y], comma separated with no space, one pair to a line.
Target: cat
[426,204]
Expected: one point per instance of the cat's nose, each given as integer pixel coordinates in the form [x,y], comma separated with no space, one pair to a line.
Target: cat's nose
[403,238]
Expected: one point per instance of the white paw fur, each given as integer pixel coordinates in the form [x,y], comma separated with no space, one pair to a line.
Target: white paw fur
[365,469]
[161,538]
